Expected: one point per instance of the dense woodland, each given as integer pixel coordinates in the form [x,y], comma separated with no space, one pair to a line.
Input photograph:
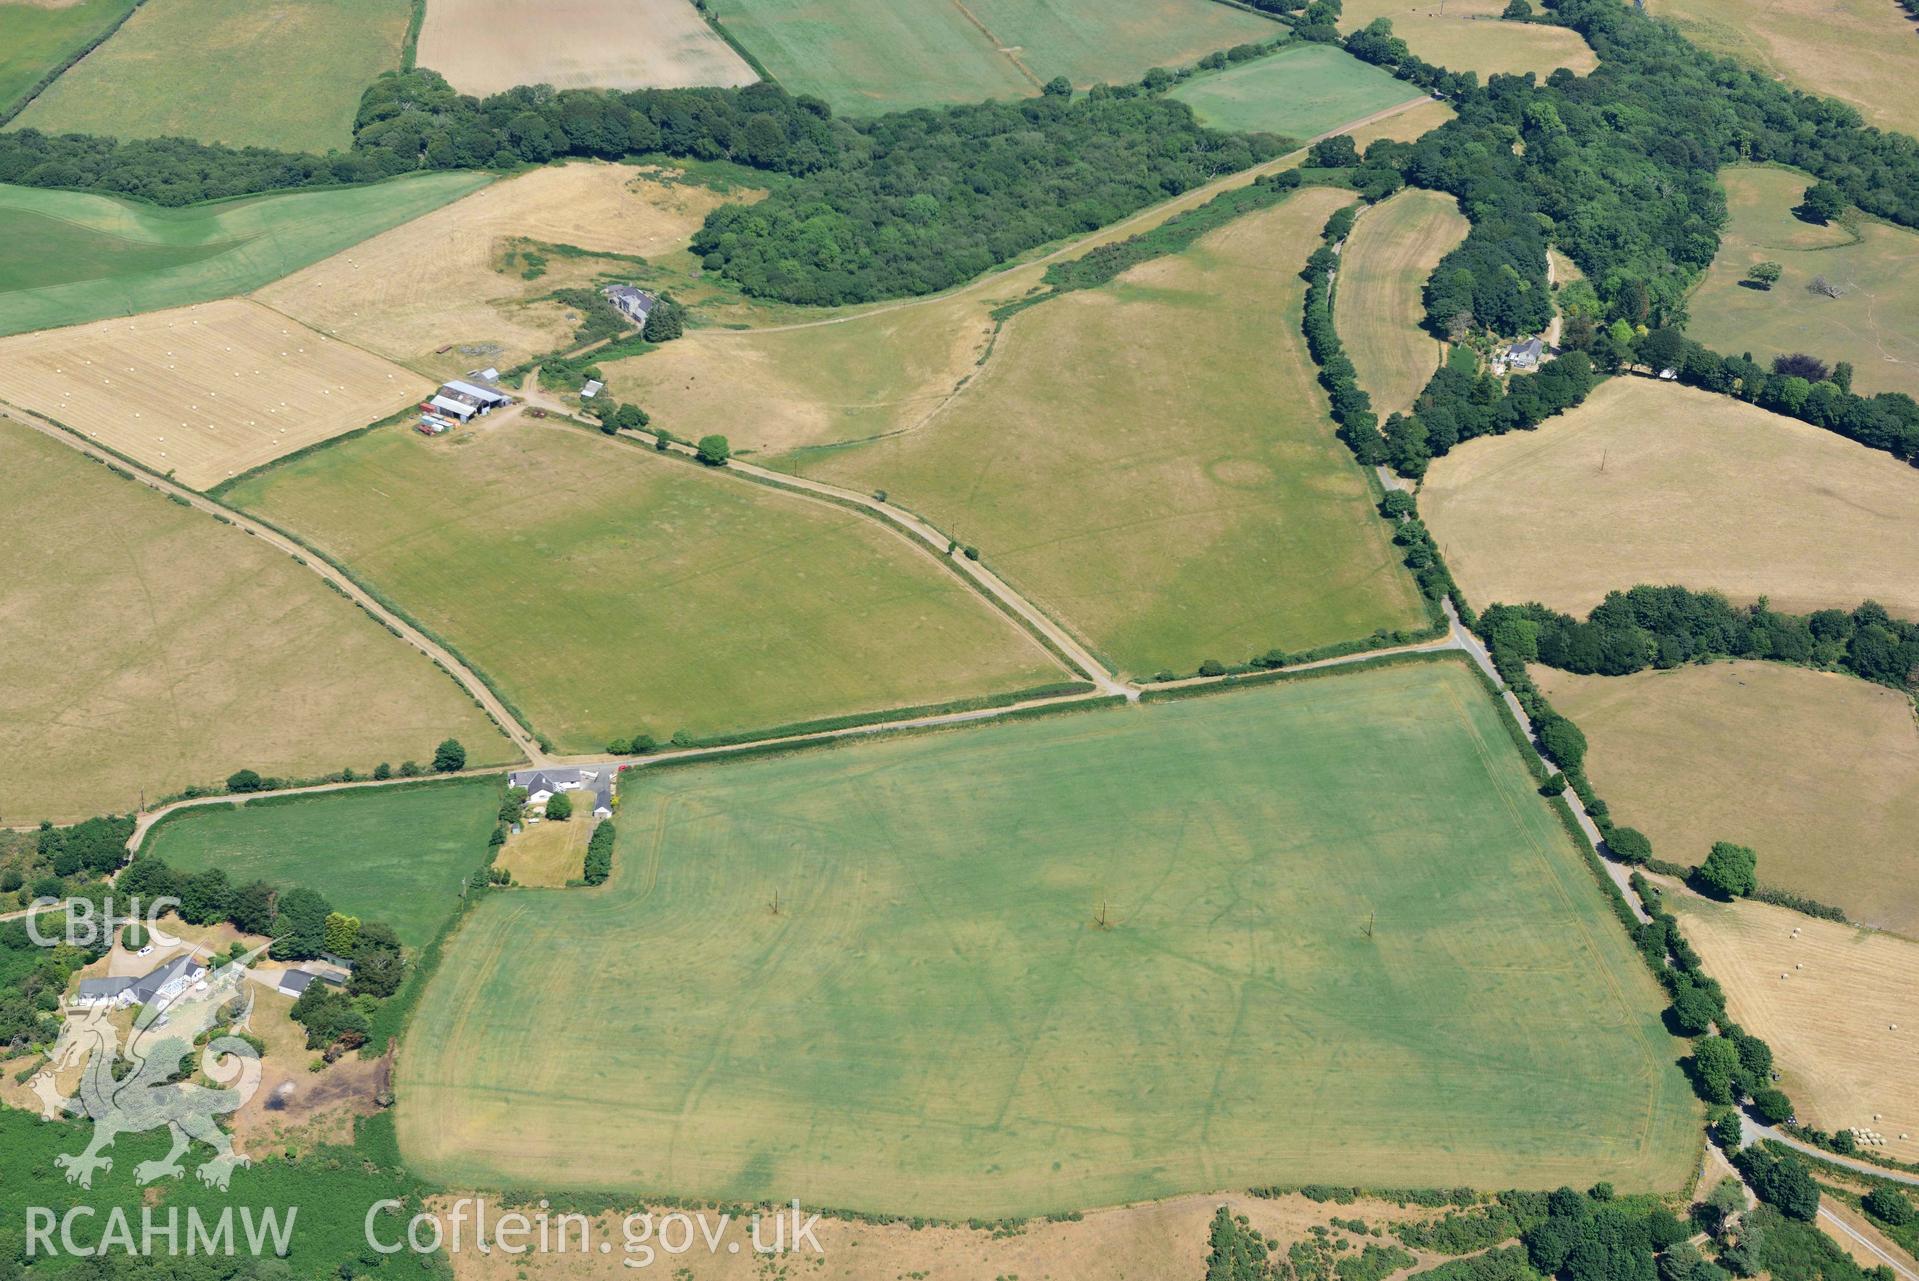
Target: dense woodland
[1616,168]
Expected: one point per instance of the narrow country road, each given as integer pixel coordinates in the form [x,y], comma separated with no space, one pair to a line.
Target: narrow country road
[1756,1130]
[468,680]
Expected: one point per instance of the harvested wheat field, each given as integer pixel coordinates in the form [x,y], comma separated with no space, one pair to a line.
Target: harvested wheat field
[1410,125]
[202,393]
[1382,270]
[485,46]
[143,639]
[446,279]
[1651,482]
[1828,1000]
[1815,770]
[1468,35]
[1156,1241]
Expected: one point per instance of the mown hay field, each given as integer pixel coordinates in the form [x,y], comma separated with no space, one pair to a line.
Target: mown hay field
[1827,1001]
[1151,462]
[609,592]
[203,393]
[458,276]
[1861,52]
[67,257]
[1874,323]
[1302,91]
[486,46]
[40,36]
[1814,770]
[870,56]
[1468,35]
[248,73]
[1651,482]
[143,640]
[1377,307]
[397,854]
[934,1021]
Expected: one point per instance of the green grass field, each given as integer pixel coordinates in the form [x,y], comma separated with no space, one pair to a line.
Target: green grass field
[67,257]
[1382,270]
[935,1023]
[39,37]
[398,855]
[870,56]
[248,73]
[611,592]
[1153,463]
[1302,91]
[1874,323]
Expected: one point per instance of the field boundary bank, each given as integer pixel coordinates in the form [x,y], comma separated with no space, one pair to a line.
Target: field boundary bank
[9,113]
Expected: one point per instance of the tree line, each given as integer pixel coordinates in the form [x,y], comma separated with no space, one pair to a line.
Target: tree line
[1795,385]
[1665,627]
[410,121]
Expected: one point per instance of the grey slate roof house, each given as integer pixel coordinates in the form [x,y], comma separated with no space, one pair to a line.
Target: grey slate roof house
[541,784]
[633,303]
[163,983]
[1525,355]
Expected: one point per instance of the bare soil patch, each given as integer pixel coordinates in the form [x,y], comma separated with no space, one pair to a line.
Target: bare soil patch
[485,46]
[1655,483]
[202,393]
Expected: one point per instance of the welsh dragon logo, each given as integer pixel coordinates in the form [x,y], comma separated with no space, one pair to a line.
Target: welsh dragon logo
[142,1087]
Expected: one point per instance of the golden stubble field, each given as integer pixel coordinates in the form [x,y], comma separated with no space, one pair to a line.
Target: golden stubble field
[142,640]
[442,279]
[202,393]
[1838,1005]
[1815,770]
[1655,483]
[486,46]
[1392,250]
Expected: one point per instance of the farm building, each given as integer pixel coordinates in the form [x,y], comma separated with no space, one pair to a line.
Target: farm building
[162,983]
[593,388]
[632,303]
[541,785]
[463,400]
